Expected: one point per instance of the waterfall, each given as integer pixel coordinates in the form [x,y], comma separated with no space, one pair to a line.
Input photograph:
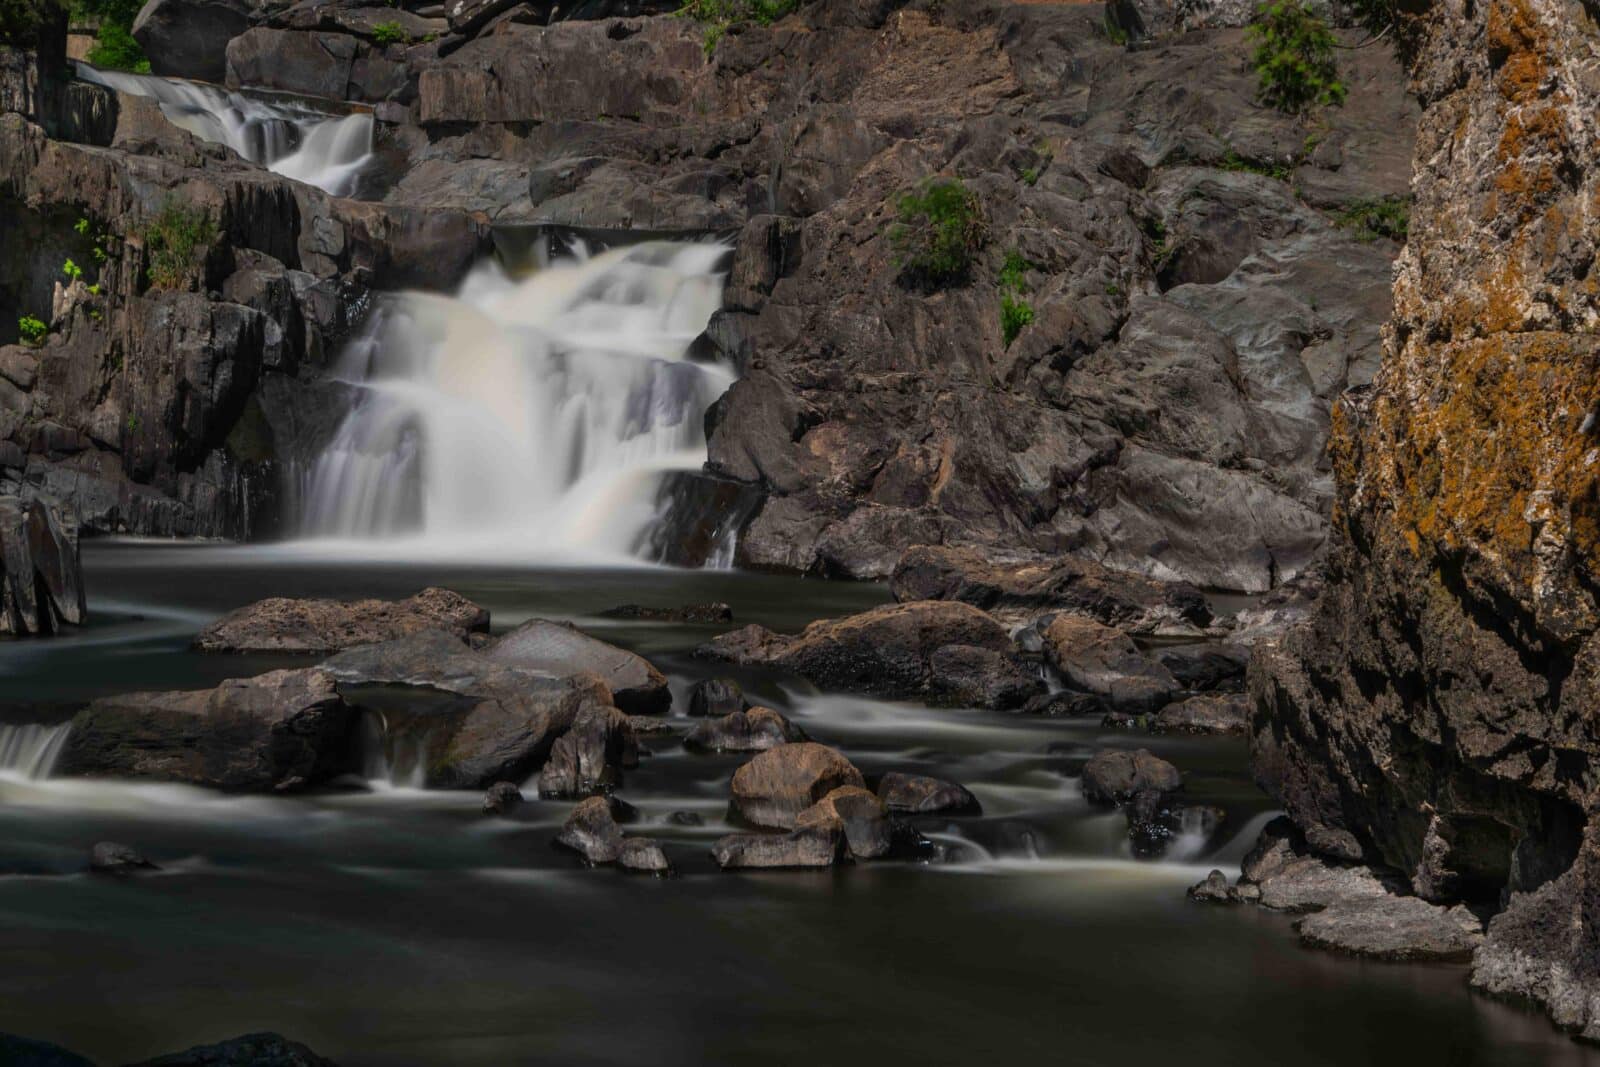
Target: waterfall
[30,749]
[286,137]
[526,417]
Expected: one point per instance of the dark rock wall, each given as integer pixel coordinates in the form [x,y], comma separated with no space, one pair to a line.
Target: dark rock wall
[1437,714]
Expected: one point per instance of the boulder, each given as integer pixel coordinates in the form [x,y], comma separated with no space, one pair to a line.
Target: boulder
[281,730]
[429,659]
[775,787]
[1213,889]
[857,814]
[250,1050]
[755,730]
[716,696]
[1116,776]
[1209,713]
[1095,658]
[501,798]
[915,794]
[688,613]
[813,846]
[1206,667]
[189,38]
[591,755]
[591,830]
[108,857]
[1066,703]
[41,581]
[636,686]
[1392,927]
[284,624]
[643,854]
[943,653]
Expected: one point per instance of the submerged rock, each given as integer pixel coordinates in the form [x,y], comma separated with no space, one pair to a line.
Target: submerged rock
[108,857]
[1213,889]
[811,846]
[775,787]
[1394,928]
[501,798]
[915,794]
[283,624]
[944,653]
[755,730]
[636,686]
[1116,776]
[689,613]
[41,579]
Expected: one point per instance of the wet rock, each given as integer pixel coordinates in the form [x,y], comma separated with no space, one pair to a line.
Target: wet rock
[689,613]
[189,38]
[1210,667]
[1211,713]
[856,813]
[1213,889]
[591,830]
[501,798]
[1394,928]
[686,818]
[643,854]
[283,624]
[915,794]
[1116,776]
[41,581]
[755,730]
[945,653]
[1309,883]
[108,857]
[251,1050]
[716,697]
[775,787]
[636,686]
[278,730]
[1106,662]
[1066,704]
[591,755]
[647,725]
[430,659]
[813,846]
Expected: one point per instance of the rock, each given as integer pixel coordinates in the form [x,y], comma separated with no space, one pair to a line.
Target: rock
[501,798]
[1213,889]
[283,624]
[1532,954]
[1211,713]
[686,818]
[858,814]
[776,786]
[716,697]
[1394,928]
[108,857]
[689,613]
[813,846]
[1116,777]
[645,725]
[24,1052]
[279,730]
[945,653]
[189,38]
[636,686]
[1104,661]
[1206,667]
[643,854]
[41,581]
[591,755]
[591,830]
[755,730]
[251,1050]
[914,794]
[1307,883]
[1065,703]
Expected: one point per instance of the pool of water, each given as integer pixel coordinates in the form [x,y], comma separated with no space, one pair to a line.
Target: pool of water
[399,927]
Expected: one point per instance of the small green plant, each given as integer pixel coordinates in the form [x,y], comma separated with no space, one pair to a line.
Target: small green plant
[1235,162]
[1294,58]
[72,270]
[1030,176]
[387,33]
[82,226]
[1114,31]
[939,228]
[1368,220]
[720,16]
[94,290]
[171,240]
[132,422]
[1015,312]
[31,329]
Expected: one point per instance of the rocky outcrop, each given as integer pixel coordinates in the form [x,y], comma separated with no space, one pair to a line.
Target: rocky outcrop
[189,38]
[278,731]
[41,580]
[1433,716]
[942,652]
[283,624]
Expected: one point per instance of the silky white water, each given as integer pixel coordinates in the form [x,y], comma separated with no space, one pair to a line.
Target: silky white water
[327,151]
[525,418]
[29,750]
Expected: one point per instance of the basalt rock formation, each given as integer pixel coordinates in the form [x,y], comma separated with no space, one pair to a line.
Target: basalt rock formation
[1435,717]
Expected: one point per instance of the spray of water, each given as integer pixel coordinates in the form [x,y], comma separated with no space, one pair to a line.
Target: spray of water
[314,147]
[30,750]
[525,418]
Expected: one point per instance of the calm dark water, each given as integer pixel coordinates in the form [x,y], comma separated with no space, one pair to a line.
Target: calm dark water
[401,927]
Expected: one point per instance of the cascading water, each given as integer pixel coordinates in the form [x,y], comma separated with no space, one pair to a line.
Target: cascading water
[311,146]
[526,418]
[30,749]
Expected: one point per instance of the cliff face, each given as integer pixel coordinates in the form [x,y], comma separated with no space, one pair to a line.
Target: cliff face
[1438,713]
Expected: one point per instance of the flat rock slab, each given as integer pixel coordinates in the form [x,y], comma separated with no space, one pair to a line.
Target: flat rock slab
[1394,928]
[541,645]
[1308,883]
[321,627]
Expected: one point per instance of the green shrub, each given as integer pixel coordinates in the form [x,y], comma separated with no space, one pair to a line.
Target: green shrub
[171,240]
[1294,58]
[939,229]
[720,16]
[1368,220]
[1015,312]
[31,329]
[114,46]
[387,33]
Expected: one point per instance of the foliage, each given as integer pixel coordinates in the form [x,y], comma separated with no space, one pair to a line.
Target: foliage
[1235,162]
[1294,58]
[939,228]
[1368,220]
[114,46]
[31,329]
[19,22]
[171,240]
[1114,31]
[720,16]
[72,270]
[1015,312]
[387,33]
